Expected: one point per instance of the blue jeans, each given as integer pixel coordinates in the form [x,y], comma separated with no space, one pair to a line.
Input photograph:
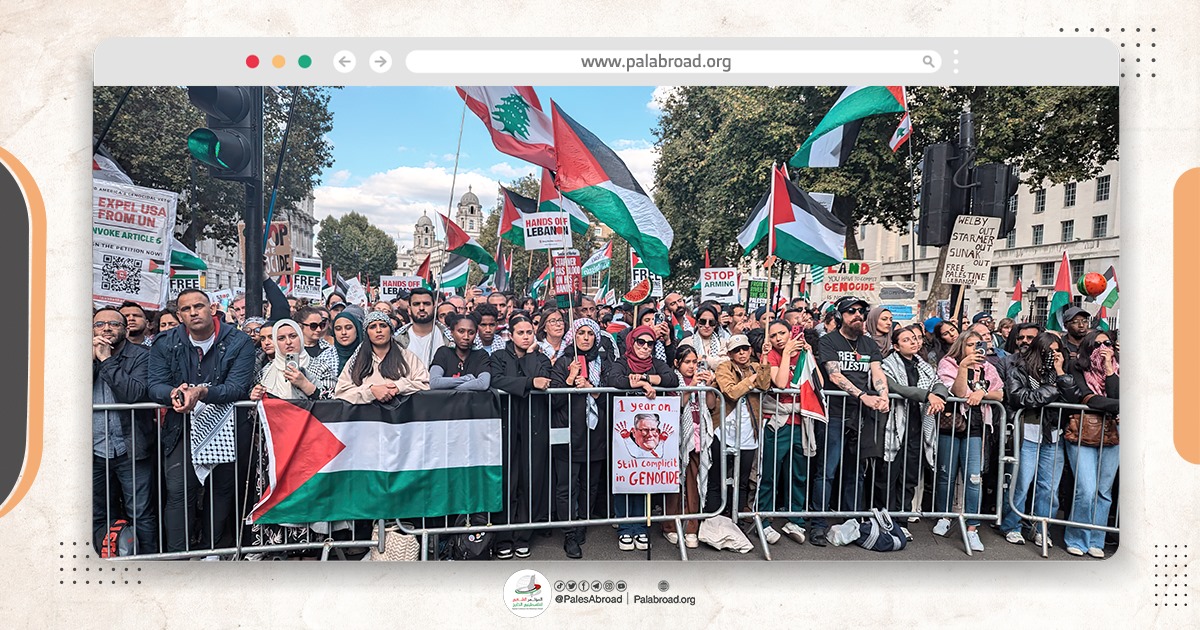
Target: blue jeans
[956,453]
[1095,470]
[782,449]
[1045,463]
[630,505]
[113,478]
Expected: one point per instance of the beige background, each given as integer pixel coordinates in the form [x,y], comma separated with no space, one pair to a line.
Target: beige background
[45,81]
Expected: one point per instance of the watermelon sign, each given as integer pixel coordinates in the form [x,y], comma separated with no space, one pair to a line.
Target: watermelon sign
[639,293]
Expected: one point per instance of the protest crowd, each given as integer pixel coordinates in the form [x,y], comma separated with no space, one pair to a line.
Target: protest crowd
[899,418]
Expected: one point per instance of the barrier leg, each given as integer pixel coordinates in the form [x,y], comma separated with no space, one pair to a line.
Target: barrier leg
[762,537]
[1045,539]
[681,534]
[424,547]
[962,526]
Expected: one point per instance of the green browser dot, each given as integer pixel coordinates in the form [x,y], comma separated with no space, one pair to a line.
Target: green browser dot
[304,61]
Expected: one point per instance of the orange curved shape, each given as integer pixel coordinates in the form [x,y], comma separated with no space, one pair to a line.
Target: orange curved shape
[37,330]
[1187,300]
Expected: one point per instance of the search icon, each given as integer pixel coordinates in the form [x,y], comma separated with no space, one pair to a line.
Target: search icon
[928,60]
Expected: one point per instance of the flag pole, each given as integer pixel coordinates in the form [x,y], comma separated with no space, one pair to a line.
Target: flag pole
[453,181]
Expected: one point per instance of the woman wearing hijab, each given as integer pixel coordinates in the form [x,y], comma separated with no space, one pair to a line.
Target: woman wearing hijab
[1098,376]
[520,370]
[879,327]
[347,336]
[579,468]
[380,369]
[638,369]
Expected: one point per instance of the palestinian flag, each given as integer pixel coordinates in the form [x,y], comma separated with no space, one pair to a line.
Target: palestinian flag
[755,229]
[811,403]
[1102,319]
[185,258]
[590,174]
[600,260]
[424,272]
[1062,296]
[155,267]
[602,292]
[327,278]
[514,117]
[1014,307]
[541,281]
[433,454]
[285,283]
[503,272]
[803,230]
[454,274]
[512,216]
[459,242]
[551,200]
[1109,297]
[832,140]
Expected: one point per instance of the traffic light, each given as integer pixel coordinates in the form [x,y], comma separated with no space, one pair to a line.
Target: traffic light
[231,144]
[997,183]
[941,200]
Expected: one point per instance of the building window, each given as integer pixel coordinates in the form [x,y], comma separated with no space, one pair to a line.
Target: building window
[1012,203]
[1015,274]
[1041,306]
[1069,194]
[1047,273]
[862,232]
[1076,269]
[1068,231]
[1038,232]
[985,305]
[924,282]
[1103,185]
[924,250]
[1077,301]
[904,252]
[993,276]
[1011,241]
[1100,226]
[1039,201]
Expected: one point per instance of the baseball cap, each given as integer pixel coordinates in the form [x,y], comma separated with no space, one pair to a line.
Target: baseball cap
[980,316]
[735,342]
[1072,313]
[932,323]
[850,302]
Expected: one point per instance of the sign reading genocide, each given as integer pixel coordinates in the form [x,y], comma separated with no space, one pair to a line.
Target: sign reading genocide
[307,281]
[970,251]
[758,293]
[547,230]
[277,253]
[567,279]
[719,284]
[645,445]
[390,286]
[859,278]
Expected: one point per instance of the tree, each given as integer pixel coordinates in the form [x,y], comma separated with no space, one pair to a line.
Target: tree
[351,245]
[148,140]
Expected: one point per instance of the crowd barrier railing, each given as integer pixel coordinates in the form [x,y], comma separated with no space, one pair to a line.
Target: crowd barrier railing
[1038,464]
[857,459]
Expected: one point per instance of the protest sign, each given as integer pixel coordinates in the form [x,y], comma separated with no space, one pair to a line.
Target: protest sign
[970,250]
[645,445]
[719,284]
[758,293]
[278,251]
[390,286]
[131,243]
[638,272]
[183,279]
[355,294]
[566,273]
[859,278]
[547,230]
[901,299]
[307,282]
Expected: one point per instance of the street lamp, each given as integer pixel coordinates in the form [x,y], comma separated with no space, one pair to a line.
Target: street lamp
[1032,290]
[239,272]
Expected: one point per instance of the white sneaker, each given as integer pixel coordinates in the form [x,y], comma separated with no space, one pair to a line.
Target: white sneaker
[914,519]
[625,542]
[973,540]
[942,528]
[691,541]
[1037,541]
[211,559]
[671,537]
[1015,537]
[1096,552]
[907,534]
[771,535]
[794,531]
[1074,551]
[641,542]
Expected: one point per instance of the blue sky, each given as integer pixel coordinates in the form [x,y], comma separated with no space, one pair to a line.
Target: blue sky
[394,147]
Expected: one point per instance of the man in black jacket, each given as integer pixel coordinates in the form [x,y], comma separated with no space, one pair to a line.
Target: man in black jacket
[121,440]
[201,361]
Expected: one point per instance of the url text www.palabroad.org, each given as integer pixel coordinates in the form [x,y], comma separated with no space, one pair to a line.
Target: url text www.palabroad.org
[650,61]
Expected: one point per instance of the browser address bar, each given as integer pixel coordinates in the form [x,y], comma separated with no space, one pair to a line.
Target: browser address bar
[657,61]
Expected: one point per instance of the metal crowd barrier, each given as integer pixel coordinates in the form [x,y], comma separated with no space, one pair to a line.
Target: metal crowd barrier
[876,481]
[242,498]
[1048,457]
[594,504]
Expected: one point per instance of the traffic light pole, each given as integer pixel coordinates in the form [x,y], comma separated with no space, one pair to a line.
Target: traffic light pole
[254,263]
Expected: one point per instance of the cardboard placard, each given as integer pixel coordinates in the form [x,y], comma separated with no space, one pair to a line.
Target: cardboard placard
[645,443]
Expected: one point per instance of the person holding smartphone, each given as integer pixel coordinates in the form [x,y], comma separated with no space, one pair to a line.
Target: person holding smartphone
[709,340]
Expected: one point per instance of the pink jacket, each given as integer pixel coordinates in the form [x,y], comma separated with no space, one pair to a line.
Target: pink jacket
[948,372]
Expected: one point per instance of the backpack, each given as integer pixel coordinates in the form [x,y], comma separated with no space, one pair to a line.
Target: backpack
[881,533]
[118,541]
[473,546]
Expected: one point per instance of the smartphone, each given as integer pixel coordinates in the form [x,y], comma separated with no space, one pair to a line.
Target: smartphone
[293,362]
[658,317]
[178,398]
[702,365]
[797,330]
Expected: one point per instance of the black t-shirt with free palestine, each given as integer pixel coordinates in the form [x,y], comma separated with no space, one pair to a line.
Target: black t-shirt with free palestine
[854,360]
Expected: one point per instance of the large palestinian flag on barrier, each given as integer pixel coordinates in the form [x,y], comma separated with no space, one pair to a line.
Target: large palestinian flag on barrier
[431,454]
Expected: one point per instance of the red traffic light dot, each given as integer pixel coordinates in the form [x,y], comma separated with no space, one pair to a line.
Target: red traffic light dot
[252,61]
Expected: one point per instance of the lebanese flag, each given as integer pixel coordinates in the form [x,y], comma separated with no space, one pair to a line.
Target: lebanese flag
[592,175]
[514,117]
[551,200]
[803,231]
[1062,296]
[512,216]
[329,460]
[1014,307]
[461,243]
[832,140]
[904,130]
[425,274]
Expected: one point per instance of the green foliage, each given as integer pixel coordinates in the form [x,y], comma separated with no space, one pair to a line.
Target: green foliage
[148,140]
[352,245]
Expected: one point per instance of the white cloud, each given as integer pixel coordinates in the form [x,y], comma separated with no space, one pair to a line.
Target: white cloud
[630,144]
[508,171]
[641,162]
[339,177]
[394,200]
[449,157]
[659,98]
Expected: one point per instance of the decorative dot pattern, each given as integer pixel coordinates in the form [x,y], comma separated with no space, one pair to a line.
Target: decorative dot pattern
[110,573]
[1170,576]
[1139,66]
